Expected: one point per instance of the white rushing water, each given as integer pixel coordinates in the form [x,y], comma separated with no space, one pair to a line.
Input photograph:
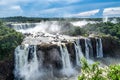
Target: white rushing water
[99,48]
[78,51]
[24,69]
[105,19]
[82,23]
[67,67]
[23,26]
[86,49]
[28,66]
[46,27]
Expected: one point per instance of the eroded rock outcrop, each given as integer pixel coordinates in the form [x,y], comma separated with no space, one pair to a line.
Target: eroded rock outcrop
[111,46]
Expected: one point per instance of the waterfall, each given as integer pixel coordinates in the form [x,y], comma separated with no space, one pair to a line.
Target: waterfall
[45,27]
[86,49]
[67,67]
[26,69]
[29,64]
[78,51]
[23,26]
[99,48]
[105,19]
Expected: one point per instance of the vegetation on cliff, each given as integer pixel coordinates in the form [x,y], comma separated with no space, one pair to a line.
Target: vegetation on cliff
[94,72]
[100,29]
[9,40]
[105,28]
[75,31]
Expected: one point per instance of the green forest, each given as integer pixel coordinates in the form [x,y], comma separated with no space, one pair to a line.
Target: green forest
[9,40]
[107,28]
[95,72]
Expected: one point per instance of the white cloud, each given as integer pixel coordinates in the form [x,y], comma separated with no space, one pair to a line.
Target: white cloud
[15,7]
[114,11]
[84,14]
[12,10]
[55,12]
[38,6]
[8,2]
[51,10]
[11,2]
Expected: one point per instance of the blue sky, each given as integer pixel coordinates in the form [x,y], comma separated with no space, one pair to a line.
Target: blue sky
[60,8]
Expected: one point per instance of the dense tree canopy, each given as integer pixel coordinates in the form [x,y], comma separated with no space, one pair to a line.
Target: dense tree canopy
[106,28]
[9,39]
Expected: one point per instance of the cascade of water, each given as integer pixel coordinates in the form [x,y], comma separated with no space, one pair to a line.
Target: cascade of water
[99,48]
[90,48]
[105,19]
[49,27]
[23,26]
[21,56]
[67,67]
[78,51]
[25,69]
[86,49]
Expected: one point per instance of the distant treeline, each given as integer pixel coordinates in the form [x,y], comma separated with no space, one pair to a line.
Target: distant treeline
[37,19]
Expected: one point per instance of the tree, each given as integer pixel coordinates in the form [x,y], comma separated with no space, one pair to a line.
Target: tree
[9,40]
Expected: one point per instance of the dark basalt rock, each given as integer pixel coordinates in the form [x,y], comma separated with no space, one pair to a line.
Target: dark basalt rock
[71,51]
[51,55]
[93,42]
[111,47]
[30,55]
[45,46]
[82,42]
[6,70]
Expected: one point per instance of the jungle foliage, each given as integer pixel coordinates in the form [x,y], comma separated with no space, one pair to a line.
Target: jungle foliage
[9,40]
[95,72]
[105,28]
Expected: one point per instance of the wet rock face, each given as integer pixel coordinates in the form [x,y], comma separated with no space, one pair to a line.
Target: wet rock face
[50,56]
[30,55]
[71,51]
[6,70]
[93,42]
[111,47]
[82,42]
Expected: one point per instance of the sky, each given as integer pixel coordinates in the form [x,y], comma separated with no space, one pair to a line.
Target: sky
[60,8]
